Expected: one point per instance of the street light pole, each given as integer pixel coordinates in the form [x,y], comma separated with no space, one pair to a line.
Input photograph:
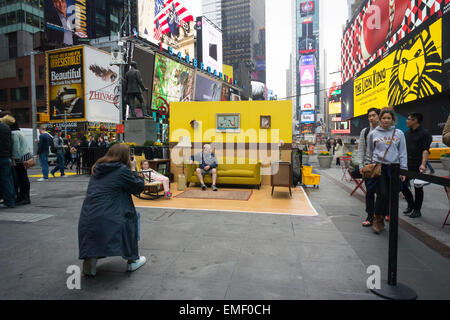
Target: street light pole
[33,102]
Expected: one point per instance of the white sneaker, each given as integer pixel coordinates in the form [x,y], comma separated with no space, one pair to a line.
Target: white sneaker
[64,176]
[136,264]
[42,179]
[90,266]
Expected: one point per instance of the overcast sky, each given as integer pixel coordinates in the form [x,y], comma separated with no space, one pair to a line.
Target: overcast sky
[278,37]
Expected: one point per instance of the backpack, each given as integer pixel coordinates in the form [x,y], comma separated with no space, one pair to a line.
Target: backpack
[366,133]
[52,145]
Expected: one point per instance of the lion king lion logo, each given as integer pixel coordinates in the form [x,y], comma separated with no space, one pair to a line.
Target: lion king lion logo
[417,70]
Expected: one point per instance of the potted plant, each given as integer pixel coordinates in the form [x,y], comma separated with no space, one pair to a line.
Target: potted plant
[305,157]
[325,159]
[445,160]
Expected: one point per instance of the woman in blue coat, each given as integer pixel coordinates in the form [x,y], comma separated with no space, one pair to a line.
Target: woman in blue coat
[109,222]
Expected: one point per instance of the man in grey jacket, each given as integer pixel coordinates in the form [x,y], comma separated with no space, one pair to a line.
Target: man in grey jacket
[58,142]
[207,165]
[133,81]
[373,115]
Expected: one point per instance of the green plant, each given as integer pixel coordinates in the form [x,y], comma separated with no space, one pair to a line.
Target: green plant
[113,143]
[324,153]
[148,143]
[306,153]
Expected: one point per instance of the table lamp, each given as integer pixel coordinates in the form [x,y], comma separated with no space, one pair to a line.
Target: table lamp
[184,142]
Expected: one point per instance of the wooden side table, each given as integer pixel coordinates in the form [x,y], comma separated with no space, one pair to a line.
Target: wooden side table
[281,175]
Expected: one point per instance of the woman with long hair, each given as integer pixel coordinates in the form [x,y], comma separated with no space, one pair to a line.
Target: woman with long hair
[109,222]
[386,145]
[339,151]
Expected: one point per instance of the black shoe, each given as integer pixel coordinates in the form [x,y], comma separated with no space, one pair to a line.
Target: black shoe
[409,210]
[416,214]
[203,187]
[23,202]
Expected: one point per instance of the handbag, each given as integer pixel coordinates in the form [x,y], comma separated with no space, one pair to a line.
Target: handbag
[373,170]
[28,161]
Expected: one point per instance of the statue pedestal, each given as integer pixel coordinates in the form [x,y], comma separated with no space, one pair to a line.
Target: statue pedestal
[139,130]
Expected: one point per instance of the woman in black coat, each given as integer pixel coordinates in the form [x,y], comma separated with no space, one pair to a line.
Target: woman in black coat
[109,222]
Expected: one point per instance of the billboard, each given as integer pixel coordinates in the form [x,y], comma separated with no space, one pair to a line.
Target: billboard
[307,8]
[173,81]
[378,27]
[167,22]
[307,60]
[413,71]
[65,85]
[307,99]
[307,117]
[334,108]
[225,96]
[307,45]
[307,75]
[66,22]
[209,44]
[207,89]
[101,87]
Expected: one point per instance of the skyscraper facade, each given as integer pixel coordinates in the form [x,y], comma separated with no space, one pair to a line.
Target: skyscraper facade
[212,9]
[307,63]
[244,35]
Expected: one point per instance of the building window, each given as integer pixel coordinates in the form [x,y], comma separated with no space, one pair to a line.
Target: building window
[40,93]
[12,43]
[20,74]
[19,94]
[3,95]
[41,72]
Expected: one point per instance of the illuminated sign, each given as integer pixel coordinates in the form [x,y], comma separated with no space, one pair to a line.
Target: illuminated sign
[307,117]
[306,8]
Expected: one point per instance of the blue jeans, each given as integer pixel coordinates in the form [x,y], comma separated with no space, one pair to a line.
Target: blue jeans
[43,161]
[60,163]
[7,182]
[138,225]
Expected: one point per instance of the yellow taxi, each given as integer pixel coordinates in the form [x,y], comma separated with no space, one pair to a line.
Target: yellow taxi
[437,149]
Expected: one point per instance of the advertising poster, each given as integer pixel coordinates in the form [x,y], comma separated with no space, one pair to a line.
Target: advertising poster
[102,90]
[411,72]
[307,45]
[66,22]
[379,26]
[168,22]
[307,117]
[207,89]
[225,96]
[65,85]
[334,108]
[209,44]
[173,81]
[307,99]
[306,8]
[307,75]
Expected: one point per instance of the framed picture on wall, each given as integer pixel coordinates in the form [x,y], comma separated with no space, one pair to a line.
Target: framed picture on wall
[228,122]
[264,122]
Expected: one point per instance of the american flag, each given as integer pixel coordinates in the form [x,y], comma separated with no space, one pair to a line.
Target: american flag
[162,10]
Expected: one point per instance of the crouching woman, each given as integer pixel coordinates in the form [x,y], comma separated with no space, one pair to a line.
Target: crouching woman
[109,222]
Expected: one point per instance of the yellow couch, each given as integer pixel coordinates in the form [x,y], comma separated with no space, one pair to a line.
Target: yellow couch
[233,174]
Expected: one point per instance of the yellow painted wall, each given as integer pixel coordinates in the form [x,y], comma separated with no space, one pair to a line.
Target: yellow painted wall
[228,70]
[181,113]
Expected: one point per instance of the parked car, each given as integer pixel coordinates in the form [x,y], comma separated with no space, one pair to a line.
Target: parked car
[28,133]
[437,150]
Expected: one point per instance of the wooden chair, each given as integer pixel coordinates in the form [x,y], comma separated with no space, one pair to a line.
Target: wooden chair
[281,175]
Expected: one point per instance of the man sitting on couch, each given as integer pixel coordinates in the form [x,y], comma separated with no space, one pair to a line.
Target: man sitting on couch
[207,165]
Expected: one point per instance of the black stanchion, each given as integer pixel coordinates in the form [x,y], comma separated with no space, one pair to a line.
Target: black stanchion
[390,289]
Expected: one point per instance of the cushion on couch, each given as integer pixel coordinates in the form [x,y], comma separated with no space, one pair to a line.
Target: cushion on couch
[235,173]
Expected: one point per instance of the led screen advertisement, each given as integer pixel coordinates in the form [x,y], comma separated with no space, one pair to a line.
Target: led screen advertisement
[209,44]
[307,8]
[413,71]
[168,22]
[207,89]
[307,99]
[334,108]
[378,27]
[66,22]
[307,75]
[307,117]
[65,85]
[173,82]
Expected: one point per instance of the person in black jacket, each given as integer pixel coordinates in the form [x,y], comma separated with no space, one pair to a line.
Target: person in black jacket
[6,173]
[109,222]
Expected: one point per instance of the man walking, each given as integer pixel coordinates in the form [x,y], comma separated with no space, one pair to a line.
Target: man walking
[43,150]
[6,173]
[373,115]
[58,142]
[418,141]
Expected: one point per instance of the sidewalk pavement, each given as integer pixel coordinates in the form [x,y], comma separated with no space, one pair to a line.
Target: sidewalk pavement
[211,255]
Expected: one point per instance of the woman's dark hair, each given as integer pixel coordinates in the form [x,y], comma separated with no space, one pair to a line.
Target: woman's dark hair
[339,141]
[117,153]
[391,112]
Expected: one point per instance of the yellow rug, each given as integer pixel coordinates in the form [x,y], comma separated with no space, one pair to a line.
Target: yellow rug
[261,201]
